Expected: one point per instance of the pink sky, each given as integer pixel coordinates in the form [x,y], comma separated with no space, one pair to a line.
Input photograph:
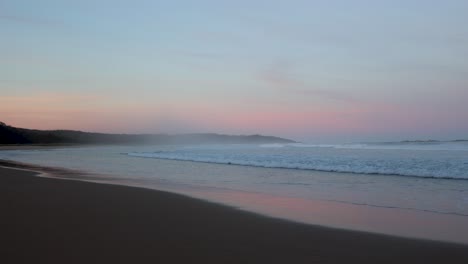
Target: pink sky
[83,112]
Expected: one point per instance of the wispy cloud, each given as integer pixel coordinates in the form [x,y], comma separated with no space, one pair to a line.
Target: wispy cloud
[279,76]
[29,20]
[310,33]
[200,54]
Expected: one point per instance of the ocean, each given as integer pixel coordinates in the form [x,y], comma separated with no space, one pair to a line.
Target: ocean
[414,189]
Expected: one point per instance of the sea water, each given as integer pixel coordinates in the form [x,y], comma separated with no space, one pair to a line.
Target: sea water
[417,189]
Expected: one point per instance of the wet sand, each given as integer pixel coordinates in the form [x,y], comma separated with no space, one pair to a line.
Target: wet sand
[45,220]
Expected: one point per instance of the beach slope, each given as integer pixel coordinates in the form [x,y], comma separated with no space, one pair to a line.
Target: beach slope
[46,220]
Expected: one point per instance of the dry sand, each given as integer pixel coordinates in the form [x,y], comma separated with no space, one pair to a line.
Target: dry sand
[46,220]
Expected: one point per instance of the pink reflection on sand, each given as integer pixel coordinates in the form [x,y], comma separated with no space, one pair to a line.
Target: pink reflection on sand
[392,221]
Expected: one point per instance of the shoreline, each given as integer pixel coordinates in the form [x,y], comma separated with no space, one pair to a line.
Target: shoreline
[56,220]
[395,222]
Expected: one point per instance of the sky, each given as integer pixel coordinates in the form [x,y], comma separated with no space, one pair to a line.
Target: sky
[316,71]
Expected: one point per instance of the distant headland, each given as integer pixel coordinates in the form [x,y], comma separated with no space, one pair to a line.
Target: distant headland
[14,135]
[433,141]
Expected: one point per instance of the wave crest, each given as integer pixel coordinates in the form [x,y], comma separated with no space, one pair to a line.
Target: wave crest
[278,157]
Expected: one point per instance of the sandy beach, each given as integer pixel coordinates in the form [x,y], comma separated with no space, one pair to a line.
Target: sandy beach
[47,220]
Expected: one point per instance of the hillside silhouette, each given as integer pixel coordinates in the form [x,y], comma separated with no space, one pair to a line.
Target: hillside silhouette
[14,135]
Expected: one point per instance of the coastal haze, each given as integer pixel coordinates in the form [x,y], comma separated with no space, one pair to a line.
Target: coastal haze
[249,131]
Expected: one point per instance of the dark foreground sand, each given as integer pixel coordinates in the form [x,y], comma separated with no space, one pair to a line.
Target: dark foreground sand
[57,221]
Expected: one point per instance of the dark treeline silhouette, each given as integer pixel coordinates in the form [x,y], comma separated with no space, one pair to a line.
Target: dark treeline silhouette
[14,135]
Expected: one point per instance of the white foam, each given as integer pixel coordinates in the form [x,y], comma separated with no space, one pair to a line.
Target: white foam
[405,162]
[436,145]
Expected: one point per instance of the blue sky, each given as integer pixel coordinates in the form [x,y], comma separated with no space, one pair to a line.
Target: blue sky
[310,70]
